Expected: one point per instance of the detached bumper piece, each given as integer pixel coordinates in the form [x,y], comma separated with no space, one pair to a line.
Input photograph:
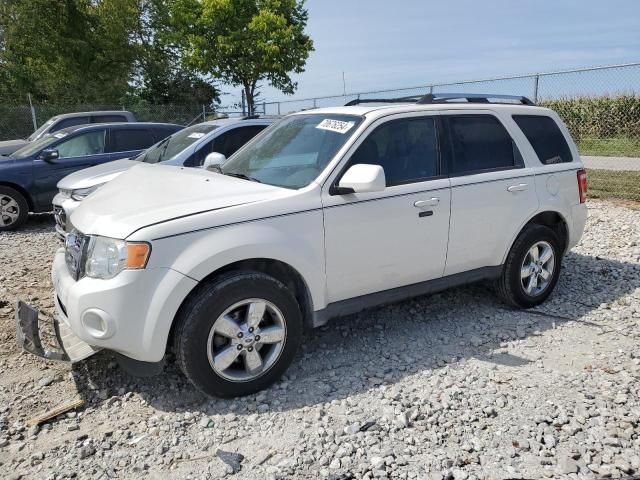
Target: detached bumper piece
[48,339]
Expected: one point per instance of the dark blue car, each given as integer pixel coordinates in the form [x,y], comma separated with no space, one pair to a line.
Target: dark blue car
[28,177]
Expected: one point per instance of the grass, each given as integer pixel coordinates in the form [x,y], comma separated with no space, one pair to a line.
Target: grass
[614,184]
[609,147]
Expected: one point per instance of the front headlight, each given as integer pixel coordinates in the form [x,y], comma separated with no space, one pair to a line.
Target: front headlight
[107,257]
[80,194]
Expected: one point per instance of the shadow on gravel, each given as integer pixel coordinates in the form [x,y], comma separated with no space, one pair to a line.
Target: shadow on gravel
[38,222]
[383,345]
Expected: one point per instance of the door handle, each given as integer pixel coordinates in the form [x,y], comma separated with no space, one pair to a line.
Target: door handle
[432,202]
[521,187]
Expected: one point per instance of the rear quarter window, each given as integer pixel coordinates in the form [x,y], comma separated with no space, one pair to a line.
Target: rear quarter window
[545,137]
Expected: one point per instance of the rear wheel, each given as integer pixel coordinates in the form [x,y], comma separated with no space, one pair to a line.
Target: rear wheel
[238,334]
[532,268]
[14,209]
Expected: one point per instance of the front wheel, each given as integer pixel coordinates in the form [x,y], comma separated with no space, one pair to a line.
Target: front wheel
[238,334]
[532,268]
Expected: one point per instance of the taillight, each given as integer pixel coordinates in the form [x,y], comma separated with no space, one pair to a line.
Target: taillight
[582,185]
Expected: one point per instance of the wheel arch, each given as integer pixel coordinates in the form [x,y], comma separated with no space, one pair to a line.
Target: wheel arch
[552,219]
[20,190]
[278,269]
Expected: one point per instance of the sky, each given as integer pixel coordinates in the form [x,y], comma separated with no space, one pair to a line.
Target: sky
[383,44]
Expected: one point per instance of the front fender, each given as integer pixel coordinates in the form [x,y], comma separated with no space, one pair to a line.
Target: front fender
[296,240]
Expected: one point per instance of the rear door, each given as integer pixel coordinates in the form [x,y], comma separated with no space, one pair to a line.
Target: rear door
[492,191]
[129,142]
[75,152]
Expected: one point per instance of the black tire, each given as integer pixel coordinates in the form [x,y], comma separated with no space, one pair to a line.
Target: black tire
[200,312]
[510,287]
[12,200]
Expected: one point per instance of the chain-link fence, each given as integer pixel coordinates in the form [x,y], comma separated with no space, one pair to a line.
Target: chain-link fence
[601,107]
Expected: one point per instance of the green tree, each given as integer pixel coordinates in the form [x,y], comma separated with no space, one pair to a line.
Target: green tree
[161,75]
[67,50]
[245,42]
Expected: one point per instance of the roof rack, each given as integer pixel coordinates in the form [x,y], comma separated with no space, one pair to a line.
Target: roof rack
[472,98]
[431,98]
[358,101]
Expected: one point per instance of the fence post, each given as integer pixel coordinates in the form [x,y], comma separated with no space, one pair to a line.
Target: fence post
[264,108]
[314,103]
[278,108]
[204,113]
[33,113]
[243,104]
[536,79]
[431,89]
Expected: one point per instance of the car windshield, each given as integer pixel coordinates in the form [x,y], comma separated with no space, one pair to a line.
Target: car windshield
[171,146]
[42,128]
[33,147]
[293,152]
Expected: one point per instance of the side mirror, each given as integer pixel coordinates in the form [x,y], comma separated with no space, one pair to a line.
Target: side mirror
[49,154]
[363,178]
[213,161]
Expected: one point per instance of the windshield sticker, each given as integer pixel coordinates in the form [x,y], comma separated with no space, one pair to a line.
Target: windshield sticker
[195,135]
[335,126]
[59,135]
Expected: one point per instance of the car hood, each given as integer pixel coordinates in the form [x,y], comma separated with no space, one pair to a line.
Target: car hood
[9,146]
[97,175]
[149,194]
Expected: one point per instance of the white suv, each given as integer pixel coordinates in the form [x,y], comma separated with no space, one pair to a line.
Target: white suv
[325,213]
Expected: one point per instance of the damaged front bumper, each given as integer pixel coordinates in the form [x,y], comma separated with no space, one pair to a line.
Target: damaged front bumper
[49,338]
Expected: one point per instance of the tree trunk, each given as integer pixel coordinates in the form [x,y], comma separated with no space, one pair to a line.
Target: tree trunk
[248,94]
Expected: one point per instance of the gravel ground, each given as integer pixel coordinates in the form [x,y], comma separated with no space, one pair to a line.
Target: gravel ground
[453,385]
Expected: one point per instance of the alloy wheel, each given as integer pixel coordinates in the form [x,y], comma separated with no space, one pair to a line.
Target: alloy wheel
[9,210]
[537,268]
[246,340]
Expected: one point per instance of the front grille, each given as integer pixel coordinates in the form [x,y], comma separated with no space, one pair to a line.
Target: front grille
[60,217]
[75,252]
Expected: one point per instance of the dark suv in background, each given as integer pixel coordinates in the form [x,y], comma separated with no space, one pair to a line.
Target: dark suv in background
[28,177]
[66,120]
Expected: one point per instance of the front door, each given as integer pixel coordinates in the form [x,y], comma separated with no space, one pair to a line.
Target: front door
[74,153]
[396,237]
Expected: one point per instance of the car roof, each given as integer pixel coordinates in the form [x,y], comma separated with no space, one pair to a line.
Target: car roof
[97,112]
[126,125]
[376,111]
[222,122]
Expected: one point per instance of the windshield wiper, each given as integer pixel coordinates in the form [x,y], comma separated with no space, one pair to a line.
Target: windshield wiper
[242,176]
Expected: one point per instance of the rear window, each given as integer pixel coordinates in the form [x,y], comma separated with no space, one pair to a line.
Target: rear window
[545,137]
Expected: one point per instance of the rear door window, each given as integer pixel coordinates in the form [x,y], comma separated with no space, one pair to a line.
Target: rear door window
[545,137]
[480,143]
[108,118]
[69,122]
[126,140]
